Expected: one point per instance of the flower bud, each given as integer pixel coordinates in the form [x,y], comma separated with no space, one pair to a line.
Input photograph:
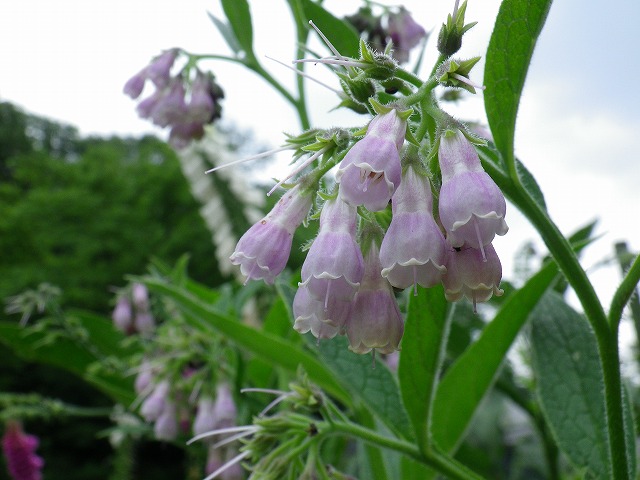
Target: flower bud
[413,249]
[374,321]
[471,275]
[472,207]
[134,86]
[451,33]
[370,172]
[264,249]
[159,71]
[405,33]
[154,404]
[140,297]
[166,426]
[224,408]
[205,420]
[334,266]
[123,315]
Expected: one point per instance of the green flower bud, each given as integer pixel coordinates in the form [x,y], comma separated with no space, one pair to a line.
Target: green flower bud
[450,36]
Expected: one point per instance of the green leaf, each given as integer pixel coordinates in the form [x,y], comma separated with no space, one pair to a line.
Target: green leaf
[32,344]
[267,346]
[511,46]
[423,347]
[466,382]
[570,383]
[340,33]
[239,16]
[226,33]
[375,386]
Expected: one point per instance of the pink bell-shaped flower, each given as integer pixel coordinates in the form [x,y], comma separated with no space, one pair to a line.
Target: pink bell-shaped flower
[472,207]
[311,315]
[374,320]
[334,265]
[264,249]
[413,249]
[471,275]
[370,172]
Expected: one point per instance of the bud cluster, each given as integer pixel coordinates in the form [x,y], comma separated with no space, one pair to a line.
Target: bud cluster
[185,102]
[347,279]
[132,313]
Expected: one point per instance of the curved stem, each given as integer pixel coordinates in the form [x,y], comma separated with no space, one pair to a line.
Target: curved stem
[623,294]
[433,458]
[607,338]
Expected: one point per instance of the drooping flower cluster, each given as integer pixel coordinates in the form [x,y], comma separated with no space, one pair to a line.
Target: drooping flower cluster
[19,451]
[183,102]
[343,292]
[132,313]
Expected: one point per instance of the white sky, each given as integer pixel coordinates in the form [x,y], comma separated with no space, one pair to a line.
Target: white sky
[578,119]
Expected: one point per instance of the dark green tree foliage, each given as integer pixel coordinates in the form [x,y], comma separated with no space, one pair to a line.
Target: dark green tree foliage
[83,213]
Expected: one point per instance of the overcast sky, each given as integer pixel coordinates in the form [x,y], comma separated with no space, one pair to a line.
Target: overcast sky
[576,131]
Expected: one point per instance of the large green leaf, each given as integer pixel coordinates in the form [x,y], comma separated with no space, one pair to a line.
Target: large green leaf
[423,348]
[515,33]
[239,16]
[100,340]
[467,381]
[570,383]
[340,33]
[267,346]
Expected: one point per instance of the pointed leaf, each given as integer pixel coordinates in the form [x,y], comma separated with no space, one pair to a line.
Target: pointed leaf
[468,380]
[514,37]
[226,33]
[239,16]
[423,347]
[570,383]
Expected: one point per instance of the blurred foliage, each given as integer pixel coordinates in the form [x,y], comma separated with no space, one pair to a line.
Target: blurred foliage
[81,213]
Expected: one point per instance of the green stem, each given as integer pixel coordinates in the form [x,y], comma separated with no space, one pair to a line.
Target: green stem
[607,339]
[623,294]
[433,458]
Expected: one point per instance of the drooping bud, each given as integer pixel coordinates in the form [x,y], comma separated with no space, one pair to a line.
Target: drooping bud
[374,321]
[154,404]
[123,315]
[451,33]
[334,265]
[413,249]
[405,33]
[370,172]
[166,426]
[264,249]
[472,207]
[159,71]
[473,275]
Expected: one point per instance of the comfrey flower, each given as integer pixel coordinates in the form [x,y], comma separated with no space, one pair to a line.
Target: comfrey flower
[311,315]
[405,33]
[166,426]
[413,249]
[472,274]
[374,320]
[154,404]
[334,265]
[262,252]
[370,172]
[182,103]
[472,207]
[19,451]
